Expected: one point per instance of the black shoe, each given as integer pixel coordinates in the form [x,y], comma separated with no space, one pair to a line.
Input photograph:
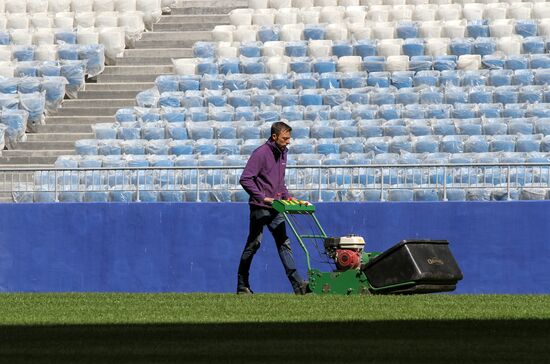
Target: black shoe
[303,288]
[244,290]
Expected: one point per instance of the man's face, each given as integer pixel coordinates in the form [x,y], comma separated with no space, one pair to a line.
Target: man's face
[283,139]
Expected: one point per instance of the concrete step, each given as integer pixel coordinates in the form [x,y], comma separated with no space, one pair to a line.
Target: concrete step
[195,19]
[210,3]
[161,53]
[184,43]
[122,86]
[88,111]
[179,27]
[119,94]
[62,128]
[28,161]
[191,36]
[44,146]
[98,103]
[76,120]
[222,9]
[59,137]
[37,153]
[130,61]
[129,78]
[136,70]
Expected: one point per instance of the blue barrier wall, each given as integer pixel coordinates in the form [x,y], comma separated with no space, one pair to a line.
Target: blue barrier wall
[502,247]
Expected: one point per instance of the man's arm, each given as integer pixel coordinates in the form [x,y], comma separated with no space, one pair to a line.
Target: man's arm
[251,171]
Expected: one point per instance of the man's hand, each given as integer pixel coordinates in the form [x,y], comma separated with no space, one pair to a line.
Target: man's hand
[268,200]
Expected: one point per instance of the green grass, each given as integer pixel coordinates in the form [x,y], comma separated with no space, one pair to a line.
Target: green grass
[151,328]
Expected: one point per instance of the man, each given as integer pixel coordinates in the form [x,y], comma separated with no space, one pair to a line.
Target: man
[263,179]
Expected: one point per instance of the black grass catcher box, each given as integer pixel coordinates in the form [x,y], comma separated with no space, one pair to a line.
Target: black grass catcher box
[414,266]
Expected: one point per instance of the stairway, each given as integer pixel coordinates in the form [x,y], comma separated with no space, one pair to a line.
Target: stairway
[190,21]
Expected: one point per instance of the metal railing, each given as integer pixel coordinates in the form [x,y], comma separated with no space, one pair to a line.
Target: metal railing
[317,183]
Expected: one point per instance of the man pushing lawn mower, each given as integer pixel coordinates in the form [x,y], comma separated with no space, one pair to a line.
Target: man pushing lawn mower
[263,179]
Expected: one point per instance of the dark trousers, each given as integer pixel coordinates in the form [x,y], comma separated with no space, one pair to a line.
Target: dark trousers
[275,222]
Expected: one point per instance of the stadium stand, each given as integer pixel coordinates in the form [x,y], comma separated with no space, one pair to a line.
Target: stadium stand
[445,100]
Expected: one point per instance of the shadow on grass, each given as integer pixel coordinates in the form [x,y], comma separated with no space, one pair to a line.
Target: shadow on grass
[337,342]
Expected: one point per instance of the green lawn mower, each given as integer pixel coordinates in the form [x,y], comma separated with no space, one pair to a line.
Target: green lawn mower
[409,267]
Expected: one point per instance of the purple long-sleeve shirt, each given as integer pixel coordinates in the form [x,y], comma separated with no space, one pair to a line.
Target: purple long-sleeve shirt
[264,174]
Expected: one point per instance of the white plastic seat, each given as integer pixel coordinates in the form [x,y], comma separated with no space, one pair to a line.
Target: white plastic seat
[245,33]
[64,20]
[287,16]
[541,10]
[17,21]
[356,14]
[401,12]
[336,32]
[7,69]
[114,41]
[241,17]
[258,4]
[3,22]
[303,3]
[20,37]
[495,11]
[59,6]
[106,19]
[309,16]
[437,46]
[5,53]
[185,66]
[37,6]
[397,63]
[383,30]
[15,6]
[378,13]
[43,36]
[394,2]
[326,2]
[349,64]
[520,11]
[509,45]
[454,29]
[349,2]
[263,17]
[84,19]
[104,5]
[424,13]
[277,65]
[473,11]
[226,50]
[418,2]
[359,31]
[468,62]
[132,22]
[41,20]
[46,52]
[389,47]
[273,49]
[430,29]
[449,12]
[223,33]
[320,48]
[125,5]
[501,28]
[87,36]
[371,2]
[79,6]
[332,14]
[544,27]
[291,32]
[152,11]
[280,4]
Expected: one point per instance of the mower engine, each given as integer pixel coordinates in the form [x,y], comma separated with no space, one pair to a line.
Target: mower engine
[345,251]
